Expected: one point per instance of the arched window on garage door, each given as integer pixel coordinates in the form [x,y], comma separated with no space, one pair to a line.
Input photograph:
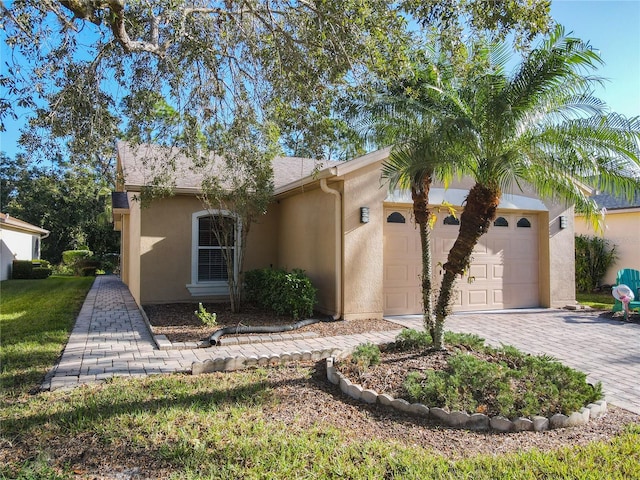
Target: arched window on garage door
[396,217]
[524,223]
[451,220]
[501,222]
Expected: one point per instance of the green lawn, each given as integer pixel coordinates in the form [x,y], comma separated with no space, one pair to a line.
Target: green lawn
[218,426]
[599,301]
[36,317]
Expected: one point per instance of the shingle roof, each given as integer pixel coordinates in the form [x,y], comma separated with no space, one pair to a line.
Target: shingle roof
[612,202]
[142,163]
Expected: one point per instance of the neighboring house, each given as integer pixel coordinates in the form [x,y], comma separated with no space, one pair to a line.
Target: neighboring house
[621,227]
[358,243]
[19,241]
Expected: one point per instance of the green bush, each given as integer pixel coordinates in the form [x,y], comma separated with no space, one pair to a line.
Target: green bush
[22,269]
[30,269]
[594,256]
[87,271]
[365,355]
[410,339]
[81,262]
[508,383]
[40,272]
[285,293]
[71,257]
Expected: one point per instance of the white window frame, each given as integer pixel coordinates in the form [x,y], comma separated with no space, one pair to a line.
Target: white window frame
[219,287]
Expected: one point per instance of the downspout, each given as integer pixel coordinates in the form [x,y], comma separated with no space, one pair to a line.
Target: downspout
[338,244]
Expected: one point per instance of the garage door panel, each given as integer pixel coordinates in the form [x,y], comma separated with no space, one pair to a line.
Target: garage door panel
[497,271]
[398,245]
[398,300]
[478,272]
[498,297]
[480,248]
[397,273]
[477,297]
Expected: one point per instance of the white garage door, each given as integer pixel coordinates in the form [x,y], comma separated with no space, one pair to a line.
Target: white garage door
[503,273]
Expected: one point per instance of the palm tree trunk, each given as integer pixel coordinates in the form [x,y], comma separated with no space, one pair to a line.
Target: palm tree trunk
[421,213]
[478,213]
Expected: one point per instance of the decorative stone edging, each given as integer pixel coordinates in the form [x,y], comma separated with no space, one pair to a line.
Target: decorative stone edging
[464,420]
[164,343]
[225,364]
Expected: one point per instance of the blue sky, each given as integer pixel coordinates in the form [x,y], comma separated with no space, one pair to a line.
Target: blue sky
[610,26]
[613,28]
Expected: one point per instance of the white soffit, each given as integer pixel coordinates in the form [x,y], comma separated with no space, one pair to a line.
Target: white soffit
[457,196]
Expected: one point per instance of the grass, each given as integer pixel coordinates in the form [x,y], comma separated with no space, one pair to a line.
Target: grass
[599,301]
[214,426]
[217,426]
[36,317]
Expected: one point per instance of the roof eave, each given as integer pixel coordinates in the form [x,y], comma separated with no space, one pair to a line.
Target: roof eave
[335,171]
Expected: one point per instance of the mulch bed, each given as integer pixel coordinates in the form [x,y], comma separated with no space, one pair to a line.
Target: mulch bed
[179,323]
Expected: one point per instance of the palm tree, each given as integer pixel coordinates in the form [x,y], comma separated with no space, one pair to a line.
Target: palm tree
[540,126]
[405,114]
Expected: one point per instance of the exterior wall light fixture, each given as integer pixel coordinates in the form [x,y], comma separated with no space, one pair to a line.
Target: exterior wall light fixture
[563,221]
[364,214]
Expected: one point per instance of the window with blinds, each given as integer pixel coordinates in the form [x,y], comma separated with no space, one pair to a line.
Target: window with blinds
[216,235]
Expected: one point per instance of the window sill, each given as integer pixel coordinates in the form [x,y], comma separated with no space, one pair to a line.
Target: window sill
[207,289]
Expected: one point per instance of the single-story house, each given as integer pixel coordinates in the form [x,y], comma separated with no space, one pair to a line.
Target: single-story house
[19,241]
[621,227]
[354,239]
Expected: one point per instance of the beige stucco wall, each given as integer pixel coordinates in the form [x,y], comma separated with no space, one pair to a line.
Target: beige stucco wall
[622,229]
[560,286]
[306,240]
[363,244]
[158,241]
[131,236]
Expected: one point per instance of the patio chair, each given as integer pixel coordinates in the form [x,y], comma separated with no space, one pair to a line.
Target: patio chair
[630,278]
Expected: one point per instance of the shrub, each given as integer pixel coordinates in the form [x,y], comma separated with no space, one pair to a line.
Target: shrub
[365,355]
[71,257]
[40,272]
[30,269]
[410,339]
[507,383]
[22,269]
[594,256]
[81,262]
[87,271]
[282,292]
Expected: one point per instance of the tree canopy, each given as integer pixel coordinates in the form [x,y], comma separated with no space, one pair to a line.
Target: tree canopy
[170,72]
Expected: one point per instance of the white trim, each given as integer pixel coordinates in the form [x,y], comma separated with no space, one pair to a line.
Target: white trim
[199,288]
[457,197]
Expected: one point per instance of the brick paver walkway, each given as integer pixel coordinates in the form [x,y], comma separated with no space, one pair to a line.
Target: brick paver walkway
[111,338]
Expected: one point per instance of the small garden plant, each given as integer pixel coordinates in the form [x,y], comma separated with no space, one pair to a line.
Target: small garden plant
[207,318]
[365,355]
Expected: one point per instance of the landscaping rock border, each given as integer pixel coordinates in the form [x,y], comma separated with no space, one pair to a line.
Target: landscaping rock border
[223,364]
[464,420]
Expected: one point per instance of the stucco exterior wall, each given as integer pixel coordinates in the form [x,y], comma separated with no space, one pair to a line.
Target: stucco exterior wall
[363,244]
[162,255]
[622,229]
[307,240]
[16,245]
[562,264]
[132,233]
